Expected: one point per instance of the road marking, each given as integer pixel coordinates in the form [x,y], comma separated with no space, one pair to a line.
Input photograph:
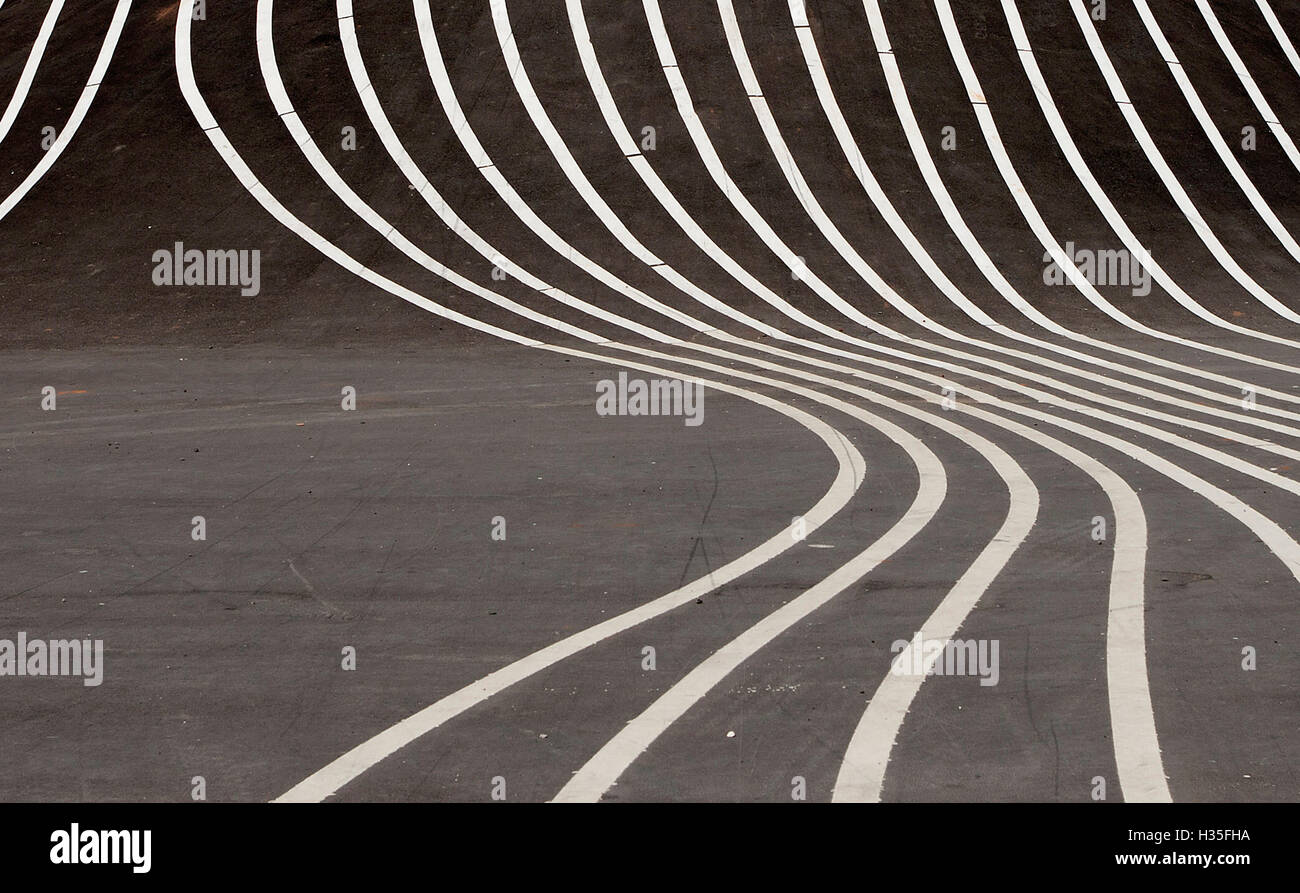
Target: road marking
[29,70]
[1167,176]
[1288,48]
[1243,75]
[1101,199]
[78,111]
[268,201]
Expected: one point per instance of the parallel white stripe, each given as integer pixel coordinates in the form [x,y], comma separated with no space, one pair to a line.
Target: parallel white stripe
[460,125]
[78,111]
[600,772]
[815,211]
[1166,174]
[626,142]
[618,127]
[209,116]
[1267,529]
[567,162]
[1006,547]
[346,768]
[958,225]
[1137,751]
[1214,493]
[861,776]
[327,172]
[1102,200]
[319,785]
[388,136]
[472,145]
[199,108]
[1288,48]
[758,223]
[1248,82]
[1133,728]
[1034,218]
[735,195]
[28,75]
[620,131]
[1216,139]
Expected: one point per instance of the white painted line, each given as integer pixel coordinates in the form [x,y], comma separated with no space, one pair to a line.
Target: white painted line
[600,772]
[570,165]
[861,776]
[590,65]
[1039,226]
[78,111]
[25,79]
[1167,176]
[329,779]
[714,164]
[284,107]
[1288,48]
[324,782]
[204,116]
[827,227]
[1136,746]
[1128,688]
[461,126]
[315,787]
[736,196]
[1100,198]
[1243,75]
[1216,139]
[958,226]
[199,108]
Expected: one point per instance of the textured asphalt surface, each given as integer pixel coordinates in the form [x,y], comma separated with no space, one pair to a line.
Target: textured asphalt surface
[372,528]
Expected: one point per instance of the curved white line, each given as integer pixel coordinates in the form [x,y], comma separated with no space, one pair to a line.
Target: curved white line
[78,111]
[848,478]
[1213,493]
[1216,139]
[1248,82]
[603,770]
[861,776]
[1034,218]
[600,772]
[760,226]
[199,108]
[284,107]
[1288,48]
[569,164]
[339,772]
[1043,94]
[271,207]
[483,162]
[523,86]
[957,223]
[1166,174]
[800,187]
[1269,532]
[302,138]
[1134,737]
[1023,509]
[29,70]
